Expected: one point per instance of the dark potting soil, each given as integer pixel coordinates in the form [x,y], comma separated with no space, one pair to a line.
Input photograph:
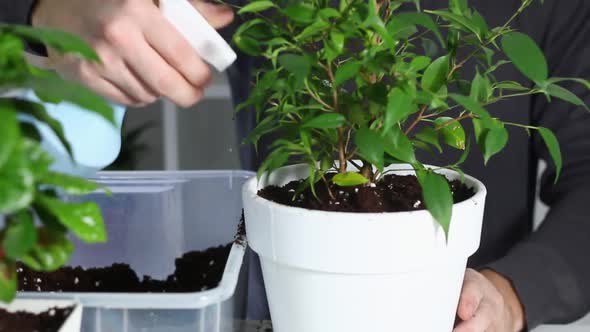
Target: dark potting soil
[394,193]
[49,321]
[195,271]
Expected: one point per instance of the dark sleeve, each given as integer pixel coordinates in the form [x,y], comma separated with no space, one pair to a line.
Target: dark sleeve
[16,11]
[551,270]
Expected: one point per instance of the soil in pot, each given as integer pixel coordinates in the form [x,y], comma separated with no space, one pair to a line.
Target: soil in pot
[394,193]
[48,321]
[195,271]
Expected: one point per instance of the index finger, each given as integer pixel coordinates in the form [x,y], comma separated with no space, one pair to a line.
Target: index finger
[175,49]
[472,294]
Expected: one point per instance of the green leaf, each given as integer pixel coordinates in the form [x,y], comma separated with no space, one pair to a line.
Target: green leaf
[453,134]
[460,21]
[38,112]
[472,106]
[430,136]
[58,40]
[399,146]
[370,146]
[300,12]
[16,183]
[435,75]
[298,65]
[510,85]
[406,19]
[420,62]
[526,55]
[553,146]
[495,140]
[458,6]
[399,106]
[39,159]
[438,198]
[349,179]
[7,281]
[582,81]
[19,235]
[83,219]
[481,88]
[375,22]
[345,72]
[69,184]
[326,121]
[564,94]
[247,45]
[275,160]
[51,88]
[51,252]
[257,6]
[10,131]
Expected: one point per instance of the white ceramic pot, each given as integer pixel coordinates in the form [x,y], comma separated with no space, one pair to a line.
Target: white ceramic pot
[73,322]
[351,272]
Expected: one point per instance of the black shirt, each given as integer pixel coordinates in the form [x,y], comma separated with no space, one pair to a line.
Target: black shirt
[550,268]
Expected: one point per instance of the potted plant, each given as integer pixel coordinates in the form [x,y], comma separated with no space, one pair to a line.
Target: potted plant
[358,234]
[42,219]
[29,189]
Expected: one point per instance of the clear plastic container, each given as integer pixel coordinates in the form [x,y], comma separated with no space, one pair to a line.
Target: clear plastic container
[152,218]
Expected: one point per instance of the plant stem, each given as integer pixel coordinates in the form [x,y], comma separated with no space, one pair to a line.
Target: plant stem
[521,125]
[417,120]
[341,139]
[367,171]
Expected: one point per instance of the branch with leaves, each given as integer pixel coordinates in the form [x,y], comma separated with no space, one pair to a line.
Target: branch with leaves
[37,219]
[386,77]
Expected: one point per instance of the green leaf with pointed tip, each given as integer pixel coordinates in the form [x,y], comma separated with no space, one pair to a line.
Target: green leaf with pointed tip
[526,55]
[326,121]
[472,106]
[435,75]
[399,106]
[553,146]
[10,131]
[16,182]
[257,6]
[370,146]
[52,89]
[19,235]
[564,94]
[7,281]
[495,140]
[460,21]
[399,146]
[438,198]
[38,112]
[582,81]
[430,136]
[453,134]
[408,19]
[346,72]
[300,12]
[58,40]
[349,179]
[420,62]
[51,251]
[69,184]
[481,88]
[82,219]
[298,65]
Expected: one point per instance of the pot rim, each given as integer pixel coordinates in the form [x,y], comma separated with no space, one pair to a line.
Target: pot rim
[251,188]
